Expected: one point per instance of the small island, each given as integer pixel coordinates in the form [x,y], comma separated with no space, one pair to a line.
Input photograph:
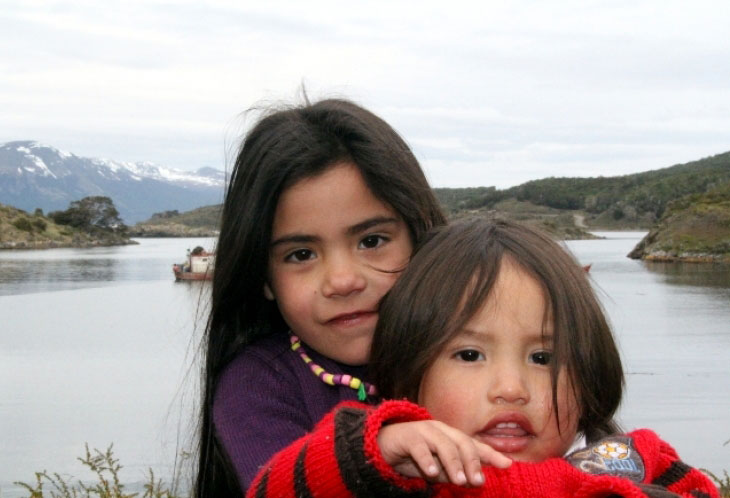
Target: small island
[200,222]
[89,222]
[694,228]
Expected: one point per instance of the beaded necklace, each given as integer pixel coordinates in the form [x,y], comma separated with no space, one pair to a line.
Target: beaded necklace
[364,389]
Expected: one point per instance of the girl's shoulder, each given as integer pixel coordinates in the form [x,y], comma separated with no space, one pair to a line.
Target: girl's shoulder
[260,379]
[267,357]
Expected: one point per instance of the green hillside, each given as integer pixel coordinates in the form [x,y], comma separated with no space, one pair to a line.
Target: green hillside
[629,201]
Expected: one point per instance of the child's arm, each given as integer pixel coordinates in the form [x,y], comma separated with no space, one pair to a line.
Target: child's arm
[342,455]
[331,461]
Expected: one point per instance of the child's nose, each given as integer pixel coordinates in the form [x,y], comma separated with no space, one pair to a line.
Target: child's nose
[509,385]
[342,277]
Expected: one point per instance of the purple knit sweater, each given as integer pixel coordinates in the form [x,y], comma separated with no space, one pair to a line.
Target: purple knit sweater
[267,397]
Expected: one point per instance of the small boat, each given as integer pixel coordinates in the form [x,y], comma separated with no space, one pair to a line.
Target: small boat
[198,265]
[587,268]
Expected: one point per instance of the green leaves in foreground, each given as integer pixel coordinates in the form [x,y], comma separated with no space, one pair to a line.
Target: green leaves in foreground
[107,485]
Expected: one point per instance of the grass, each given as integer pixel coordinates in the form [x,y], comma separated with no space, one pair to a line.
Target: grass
[106,468]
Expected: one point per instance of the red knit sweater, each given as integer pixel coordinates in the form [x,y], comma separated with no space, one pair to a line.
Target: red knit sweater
[341,457]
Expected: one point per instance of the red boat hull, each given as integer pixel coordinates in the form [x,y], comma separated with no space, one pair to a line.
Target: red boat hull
[188,275]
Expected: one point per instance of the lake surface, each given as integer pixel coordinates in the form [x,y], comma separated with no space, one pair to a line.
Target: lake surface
[96,345]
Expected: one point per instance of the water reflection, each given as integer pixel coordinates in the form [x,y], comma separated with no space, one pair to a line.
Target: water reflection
[27,272]
[693,274]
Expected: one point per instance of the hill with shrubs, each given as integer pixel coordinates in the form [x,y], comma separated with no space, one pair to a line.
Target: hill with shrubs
[89,222]
[200,222]
[695,228]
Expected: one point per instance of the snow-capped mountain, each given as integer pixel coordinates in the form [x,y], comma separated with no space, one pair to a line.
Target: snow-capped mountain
[33,176]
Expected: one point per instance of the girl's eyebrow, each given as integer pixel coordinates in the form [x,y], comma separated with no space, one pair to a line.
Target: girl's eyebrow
[370,223]
[294,238]
[300,238]
[484,334]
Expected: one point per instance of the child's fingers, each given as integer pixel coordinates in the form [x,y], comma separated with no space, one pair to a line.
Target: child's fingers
[490,456]
[425,461]
[458,455]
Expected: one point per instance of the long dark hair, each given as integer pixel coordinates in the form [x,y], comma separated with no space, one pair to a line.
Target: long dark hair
[448,280]
[284,147]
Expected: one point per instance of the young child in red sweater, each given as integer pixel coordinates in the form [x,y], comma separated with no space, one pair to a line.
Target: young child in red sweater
[494,330]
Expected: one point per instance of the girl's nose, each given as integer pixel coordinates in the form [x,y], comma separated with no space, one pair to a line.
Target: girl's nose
[342,277]
[509,385]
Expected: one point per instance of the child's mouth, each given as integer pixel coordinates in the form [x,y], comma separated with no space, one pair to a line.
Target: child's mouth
[507,429]
[507,433]
[354,318]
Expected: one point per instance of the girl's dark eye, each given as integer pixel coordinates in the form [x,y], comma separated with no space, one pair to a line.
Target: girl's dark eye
[469,355]
[300,255]
[372,241]
[542,357]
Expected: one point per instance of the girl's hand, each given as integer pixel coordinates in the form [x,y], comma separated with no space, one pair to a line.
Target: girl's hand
[437,452]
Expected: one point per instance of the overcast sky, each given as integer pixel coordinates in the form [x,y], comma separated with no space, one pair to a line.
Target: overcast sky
[486,93]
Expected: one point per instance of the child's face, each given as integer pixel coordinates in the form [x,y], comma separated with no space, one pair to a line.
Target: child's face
[330,241]
[492,381]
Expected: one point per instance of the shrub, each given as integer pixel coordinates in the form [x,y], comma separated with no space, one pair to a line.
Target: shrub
[40,224]
[23,224]
[106,469]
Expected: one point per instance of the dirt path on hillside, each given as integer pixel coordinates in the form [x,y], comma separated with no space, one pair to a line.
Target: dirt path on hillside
[579,221]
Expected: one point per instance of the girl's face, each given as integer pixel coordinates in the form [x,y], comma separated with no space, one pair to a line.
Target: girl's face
[492,380]
[331,240]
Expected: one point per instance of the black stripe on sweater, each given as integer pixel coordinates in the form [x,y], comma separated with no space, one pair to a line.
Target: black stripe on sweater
[699,494]
[301,490]
[261,489]
[676,471]
[359,475]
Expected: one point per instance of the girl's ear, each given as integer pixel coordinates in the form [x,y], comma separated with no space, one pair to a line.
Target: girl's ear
[268,293]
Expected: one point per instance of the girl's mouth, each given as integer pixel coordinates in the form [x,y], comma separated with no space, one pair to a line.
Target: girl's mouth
[353,318]
[507,433]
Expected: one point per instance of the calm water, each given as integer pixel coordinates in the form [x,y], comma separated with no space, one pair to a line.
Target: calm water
[95,346]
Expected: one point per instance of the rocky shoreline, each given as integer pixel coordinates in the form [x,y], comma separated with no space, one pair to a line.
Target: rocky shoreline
[685,257]
[170,230]
[55,244]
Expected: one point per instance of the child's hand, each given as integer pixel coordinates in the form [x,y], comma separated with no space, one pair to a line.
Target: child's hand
[437,452]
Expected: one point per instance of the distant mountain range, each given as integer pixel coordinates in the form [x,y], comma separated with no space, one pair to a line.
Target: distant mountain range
[33,176]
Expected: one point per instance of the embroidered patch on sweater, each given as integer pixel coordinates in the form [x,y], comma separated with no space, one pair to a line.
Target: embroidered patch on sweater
[613,455]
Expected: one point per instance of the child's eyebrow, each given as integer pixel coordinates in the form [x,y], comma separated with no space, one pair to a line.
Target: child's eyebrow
[294,238]
[483,334]
[369,223]
[300,238]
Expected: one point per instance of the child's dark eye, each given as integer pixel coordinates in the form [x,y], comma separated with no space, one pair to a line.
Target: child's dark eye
[372,241]
[299,255]
[542,357]
[469,355]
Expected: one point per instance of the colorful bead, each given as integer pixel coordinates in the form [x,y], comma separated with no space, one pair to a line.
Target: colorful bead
[364,389]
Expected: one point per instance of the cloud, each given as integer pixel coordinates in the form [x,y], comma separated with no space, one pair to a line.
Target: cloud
[519,89]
